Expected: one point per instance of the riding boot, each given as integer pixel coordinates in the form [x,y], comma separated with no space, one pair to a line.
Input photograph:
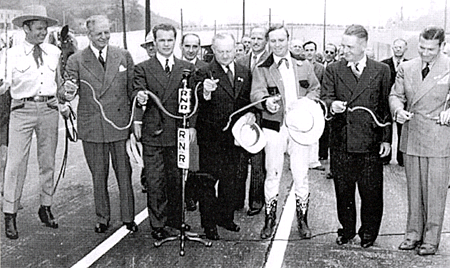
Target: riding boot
[10,226]
[302,222]
[270,221]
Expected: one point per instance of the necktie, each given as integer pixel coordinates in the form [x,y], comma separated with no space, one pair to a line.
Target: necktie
[281,61]
[101,59]
[253,64]
[37,55]
[355,70]
[425,71]
[398,63]
[166,67]
[230,75]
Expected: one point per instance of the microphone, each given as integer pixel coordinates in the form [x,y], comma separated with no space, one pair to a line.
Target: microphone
[184,94]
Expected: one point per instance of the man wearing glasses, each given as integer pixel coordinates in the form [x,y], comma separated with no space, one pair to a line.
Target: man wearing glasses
[329,54]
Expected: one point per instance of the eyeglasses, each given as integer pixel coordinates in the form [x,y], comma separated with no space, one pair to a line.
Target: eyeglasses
[329,52]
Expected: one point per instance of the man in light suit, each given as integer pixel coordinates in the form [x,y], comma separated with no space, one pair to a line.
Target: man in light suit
[162,75]
[109,70]
[257,55]
[282,80]
[399,47]
[358,143]
[423,85]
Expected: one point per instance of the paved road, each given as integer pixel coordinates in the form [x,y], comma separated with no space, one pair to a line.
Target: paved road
[39,246]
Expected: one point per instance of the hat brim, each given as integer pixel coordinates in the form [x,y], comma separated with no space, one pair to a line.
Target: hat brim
[144,45]
[18,21]
[256,146]
[133,150]
[312,136]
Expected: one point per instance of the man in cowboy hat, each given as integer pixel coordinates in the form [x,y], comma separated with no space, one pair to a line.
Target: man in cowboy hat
[32,78]
[283,80]
[358,142]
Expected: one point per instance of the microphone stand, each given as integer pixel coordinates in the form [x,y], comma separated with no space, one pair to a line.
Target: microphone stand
[183,163]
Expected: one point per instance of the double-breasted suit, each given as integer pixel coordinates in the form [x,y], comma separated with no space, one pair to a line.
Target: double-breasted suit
[159,138]
[425,144]
[356,140]
[219,156]
[112,87]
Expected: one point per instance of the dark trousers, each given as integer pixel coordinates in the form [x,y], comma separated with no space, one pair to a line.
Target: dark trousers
[201,187]
[257,177]
[221,162]
[164,186]
[366,171]
[399,135]
[97,157]
[324,141]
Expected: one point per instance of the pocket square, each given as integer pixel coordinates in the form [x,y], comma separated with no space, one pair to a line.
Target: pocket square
[122,69]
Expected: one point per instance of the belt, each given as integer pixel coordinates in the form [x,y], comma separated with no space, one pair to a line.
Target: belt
[39,98]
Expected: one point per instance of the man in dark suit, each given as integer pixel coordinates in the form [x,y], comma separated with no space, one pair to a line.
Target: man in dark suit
[109,70]
[257,55]
[162,75]
[226,88]
[422,84]
[399,47]
[358,143]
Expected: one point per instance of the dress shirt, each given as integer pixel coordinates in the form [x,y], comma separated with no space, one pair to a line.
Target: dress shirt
[290,88]
[97,51]
[25,78]
[162,60]
[231,66]
[361,64]
[193,61]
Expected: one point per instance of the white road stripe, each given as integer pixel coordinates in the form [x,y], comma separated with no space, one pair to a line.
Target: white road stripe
[279,245]
[106,245]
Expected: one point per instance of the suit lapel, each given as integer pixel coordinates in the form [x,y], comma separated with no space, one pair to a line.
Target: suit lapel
[173,80]
[346,76]
[276,77]
[368,75]
[219,73]
[239,77]
[92,65]
[112,68]
[437,72]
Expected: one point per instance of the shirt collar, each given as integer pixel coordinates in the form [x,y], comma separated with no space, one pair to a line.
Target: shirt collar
[97,51]
[277,58]
[231,65]
[361,63]
[29,47]
[162,60]
[193,61]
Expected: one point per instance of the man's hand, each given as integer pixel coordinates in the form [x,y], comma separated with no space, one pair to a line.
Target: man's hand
[64,110]
[70,90]
[401,116]
[272,104]
[338,107]
[192,135]
[142,97]
[137,130]
[209,85]
[385,149]
[444,117]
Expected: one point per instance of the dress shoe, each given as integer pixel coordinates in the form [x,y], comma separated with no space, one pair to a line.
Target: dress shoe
[230,226]
[132,226]
[427,249]
[10,226]
[330,176]
[409,244]
[101,228]
[46,217]
[190,204]
[253,211]
[160,233]
[343,239]
[211,233]
[367,243]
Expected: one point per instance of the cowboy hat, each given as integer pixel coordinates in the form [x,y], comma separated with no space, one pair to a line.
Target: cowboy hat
[305,121]
[148,40]
[134,151]
[248,135]
[34,12]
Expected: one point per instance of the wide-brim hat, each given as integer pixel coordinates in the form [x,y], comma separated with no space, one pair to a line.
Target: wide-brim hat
[248,136]
[134,151]
[34,12]
[148,40]
[305,121]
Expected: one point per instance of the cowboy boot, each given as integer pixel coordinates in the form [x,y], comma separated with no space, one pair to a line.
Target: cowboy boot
[10,226]
[270,221]
[302,222]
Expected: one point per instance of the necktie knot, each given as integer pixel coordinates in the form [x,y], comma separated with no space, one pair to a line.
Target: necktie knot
[101,59]
[355,69]
[166,67]
[37,55]
[285,61]
[425,70]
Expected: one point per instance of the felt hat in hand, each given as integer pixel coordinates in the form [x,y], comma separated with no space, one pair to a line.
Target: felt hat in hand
[248,135]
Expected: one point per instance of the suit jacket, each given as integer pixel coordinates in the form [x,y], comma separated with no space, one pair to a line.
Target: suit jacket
[356,131]
[112,88]
[319,70]
[390,62]
[421,136]
[247,59]
[150,75]
[199,64]
[267,81]
[213,114]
